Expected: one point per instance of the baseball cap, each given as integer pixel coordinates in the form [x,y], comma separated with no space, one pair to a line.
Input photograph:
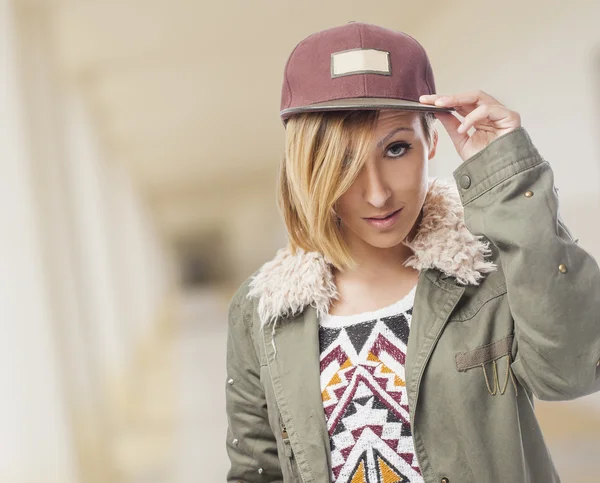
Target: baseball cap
[357,66]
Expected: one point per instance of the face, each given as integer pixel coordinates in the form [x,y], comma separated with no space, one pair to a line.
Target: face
[393,181]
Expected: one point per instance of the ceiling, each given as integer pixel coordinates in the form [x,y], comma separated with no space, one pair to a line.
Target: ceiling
[187,93]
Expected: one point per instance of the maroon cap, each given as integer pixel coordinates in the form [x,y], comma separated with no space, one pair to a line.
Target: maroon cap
[357,66]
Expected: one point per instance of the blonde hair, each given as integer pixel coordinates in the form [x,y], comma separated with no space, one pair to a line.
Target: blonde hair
[324,153]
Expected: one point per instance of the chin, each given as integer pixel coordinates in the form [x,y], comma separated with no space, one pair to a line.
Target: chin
[387,240]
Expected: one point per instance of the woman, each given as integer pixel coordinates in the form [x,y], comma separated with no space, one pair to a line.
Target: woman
[402,334]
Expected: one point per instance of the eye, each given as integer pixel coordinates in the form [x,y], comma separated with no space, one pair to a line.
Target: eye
[398,149]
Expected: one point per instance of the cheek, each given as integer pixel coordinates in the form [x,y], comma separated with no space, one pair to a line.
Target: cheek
[405,175]
[348,203]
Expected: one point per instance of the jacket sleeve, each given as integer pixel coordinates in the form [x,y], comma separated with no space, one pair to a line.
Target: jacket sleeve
[553,284]
[250,444]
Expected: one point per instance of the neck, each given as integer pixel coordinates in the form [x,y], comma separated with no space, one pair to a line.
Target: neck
[375,263]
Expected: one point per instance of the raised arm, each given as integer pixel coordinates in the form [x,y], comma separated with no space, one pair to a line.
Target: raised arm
[553,284]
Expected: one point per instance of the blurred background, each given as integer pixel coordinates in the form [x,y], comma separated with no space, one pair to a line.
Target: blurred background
[139,146]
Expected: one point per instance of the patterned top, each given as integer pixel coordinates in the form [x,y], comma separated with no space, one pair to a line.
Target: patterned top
[364,395]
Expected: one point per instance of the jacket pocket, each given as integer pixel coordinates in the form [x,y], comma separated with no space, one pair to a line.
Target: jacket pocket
[482,355]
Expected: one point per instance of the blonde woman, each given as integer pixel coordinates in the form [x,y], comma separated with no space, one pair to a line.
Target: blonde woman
[403,332]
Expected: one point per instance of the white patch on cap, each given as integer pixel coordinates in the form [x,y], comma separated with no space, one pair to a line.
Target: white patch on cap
[360,61]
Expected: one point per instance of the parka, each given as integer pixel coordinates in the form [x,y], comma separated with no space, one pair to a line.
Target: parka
[506,309]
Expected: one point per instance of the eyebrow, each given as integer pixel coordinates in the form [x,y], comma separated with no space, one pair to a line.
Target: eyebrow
[394,132]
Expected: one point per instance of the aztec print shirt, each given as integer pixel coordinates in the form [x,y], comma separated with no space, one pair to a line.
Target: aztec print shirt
[364,395]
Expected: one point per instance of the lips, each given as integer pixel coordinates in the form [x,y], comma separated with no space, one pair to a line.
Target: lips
[385,223]
[382,217]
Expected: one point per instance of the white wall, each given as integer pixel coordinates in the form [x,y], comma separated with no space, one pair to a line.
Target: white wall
[35,442]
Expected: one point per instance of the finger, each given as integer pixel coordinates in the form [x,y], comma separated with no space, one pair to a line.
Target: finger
[462,106]
[493,113]
[466,98]
[451,123]
[432,99]
[429,98]
[464,110]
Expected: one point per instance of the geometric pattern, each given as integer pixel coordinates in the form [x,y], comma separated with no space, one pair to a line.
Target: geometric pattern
[364,396]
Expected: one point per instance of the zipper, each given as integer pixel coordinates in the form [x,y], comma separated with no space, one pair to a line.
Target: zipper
[285,437]
[287,445]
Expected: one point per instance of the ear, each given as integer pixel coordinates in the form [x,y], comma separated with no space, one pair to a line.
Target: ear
[433,144]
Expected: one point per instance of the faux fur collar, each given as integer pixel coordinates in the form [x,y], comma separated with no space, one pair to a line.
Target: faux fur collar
[287,283]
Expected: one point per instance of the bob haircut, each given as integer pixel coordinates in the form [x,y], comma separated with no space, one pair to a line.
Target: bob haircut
[324,153]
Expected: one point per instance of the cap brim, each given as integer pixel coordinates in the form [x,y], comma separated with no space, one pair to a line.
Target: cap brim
[365,103]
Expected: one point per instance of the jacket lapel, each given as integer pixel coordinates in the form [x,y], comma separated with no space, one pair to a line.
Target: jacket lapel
[435,299]
[295,372]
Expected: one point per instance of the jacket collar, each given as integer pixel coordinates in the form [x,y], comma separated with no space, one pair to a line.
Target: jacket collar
[289,282]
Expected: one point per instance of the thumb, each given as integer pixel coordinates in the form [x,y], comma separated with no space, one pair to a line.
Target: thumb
[451,123]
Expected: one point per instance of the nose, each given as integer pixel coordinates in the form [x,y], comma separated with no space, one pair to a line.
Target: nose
[377,191]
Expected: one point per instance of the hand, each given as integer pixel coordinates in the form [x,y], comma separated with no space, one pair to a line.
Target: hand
[489,117]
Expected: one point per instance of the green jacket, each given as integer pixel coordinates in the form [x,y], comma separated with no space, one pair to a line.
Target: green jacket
[507,307]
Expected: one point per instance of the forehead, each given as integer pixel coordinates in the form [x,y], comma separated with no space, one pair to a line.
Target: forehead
[390,117]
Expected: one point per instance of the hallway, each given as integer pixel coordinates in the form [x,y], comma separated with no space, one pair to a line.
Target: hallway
[140,145]
[200,363]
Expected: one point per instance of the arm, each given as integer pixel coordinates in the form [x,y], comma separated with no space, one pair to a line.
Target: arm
[553,284]
[251,445]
